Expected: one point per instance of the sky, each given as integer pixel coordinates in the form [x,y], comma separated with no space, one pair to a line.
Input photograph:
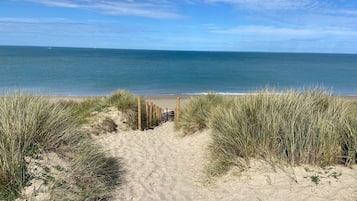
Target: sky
[326,26]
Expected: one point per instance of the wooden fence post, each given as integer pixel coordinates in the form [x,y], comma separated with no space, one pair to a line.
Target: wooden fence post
[154,115]
[139,113]
[147,114]
[177,111]
[167,114]
[157,115]
[150,115]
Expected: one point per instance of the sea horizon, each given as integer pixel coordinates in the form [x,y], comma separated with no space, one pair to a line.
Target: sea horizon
[180,50]
[81,71]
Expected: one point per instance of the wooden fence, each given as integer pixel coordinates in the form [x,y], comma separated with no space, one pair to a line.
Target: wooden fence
[151,115]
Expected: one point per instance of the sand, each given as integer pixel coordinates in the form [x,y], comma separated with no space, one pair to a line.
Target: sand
[168,102]
[159,165]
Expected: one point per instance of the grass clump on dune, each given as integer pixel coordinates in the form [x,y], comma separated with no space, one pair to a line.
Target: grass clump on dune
[197,112]
[121,100]
[27,125]
[31,125]
[92,176]
[310,127]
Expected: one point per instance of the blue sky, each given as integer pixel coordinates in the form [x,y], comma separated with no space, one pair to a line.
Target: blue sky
[213,25]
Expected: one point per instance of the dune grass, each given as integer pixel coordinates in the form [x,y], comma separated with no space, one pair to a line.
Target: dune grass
[195,116]
[123,100]
[31,125]
[92,176]
[310,127]
[28,125]
[289,127]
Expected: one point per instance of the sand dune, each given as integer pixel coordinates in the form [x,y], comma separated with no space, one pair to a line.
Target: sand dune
[161,166]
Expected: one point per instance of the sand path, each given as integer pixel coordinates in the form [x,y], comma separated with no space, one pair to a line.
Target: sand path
[159,165]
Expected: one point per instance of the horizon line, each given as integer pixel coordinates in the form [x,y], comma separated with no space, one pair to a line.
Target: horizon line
[180,50]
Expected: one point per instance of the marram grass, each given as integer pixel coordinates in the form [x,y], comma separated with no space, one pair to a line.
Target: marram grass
[92,176]
[291,127]
[310,127]
[31,125]
[123,100]
[195,116]
[28,124]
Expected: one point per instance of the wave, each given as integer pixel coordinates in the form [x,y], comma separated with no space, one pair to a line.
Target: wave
[219,93]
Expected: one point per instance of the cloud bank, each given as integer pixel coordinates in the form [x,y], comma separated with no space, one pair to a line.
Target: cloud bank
[269,4]
[159,9]
[283,32]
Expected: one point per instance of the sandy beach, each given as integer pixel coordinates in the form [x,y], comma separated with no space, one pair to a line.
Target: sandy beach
[159,165]
[168,102]
[159,100]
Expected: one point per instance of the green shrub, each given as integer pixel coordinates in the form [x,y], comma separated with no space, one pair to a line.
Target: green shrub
[310,127]
[197,112]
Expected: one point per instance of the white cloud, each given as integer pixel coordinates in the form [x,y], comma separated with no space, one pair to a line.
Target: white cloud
[54,26]
[286,33]
[269,4]
[160,9]
[19,20]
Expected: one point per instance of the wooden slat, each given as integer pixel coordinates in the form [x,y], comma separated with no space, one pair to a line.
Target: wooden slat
[147,115]
[177,110]
[139,113]
[150,115]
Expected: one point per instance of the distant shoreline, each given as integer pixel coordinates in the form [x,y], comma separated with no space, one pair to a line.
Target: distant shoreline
[173,50]
[164,101]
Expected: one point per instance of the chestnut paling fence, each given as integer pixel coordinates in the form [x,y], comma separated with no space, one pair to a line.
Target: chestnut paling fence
[154,115]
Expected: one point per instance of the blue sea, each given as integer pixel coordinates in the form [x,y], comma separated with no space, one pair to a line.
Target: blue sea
[88,72]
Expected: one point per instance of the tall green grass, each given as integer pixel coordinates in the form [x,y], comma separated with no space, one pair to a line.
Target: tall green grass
[310,127]
[196,114]
[30,125]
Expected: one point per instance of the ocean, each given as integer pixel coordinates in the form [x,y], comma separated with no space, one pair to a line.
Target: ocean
[91,72]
